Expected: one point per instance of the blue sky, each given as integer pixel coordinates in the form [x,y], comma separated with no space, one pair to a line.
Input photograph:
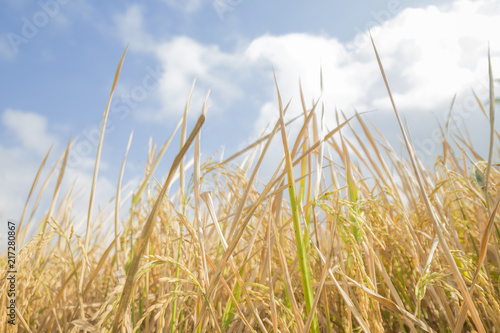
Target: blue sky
[58,59]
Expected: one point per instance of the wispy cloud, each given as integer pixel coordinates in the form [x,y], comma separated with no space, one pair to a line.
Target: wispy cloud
[186,6]
[6,51]
[130,28]
[20,159]
[30,129]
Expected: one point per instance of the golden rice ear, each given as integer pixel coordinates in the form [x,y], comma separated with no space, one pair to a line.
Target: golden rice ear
[346,234]
[435,220]
[492,210]
[147,230]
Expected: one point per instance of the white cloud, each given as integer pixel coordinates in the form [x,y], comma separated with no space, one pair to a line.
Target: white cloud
[130,26]
[20,159]
[6,50]
[29,128]
[432,54]
[429,54]
[179,61]
[186,5]
[300,56]
[183,60]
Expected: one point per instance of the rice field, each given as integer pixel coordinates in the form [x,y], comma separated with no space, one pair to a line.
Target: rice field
[347,235]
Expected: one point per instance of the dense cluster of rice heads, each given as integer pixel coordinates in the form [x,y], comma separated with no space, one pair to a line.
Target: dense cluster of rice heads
[345,236]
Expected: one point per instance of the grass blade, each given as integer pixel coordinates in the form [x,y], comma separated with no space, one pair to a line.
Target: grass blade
[148,230]
[437,226]
[301,246]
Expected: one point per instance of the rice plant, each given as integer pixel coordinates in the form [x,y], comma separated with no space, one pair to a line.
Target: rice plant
[346,235]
